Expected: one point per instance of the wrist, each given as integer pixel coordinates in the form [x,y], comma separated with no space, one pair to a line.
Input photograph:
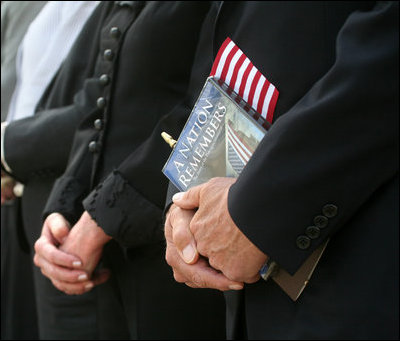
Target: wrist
[93,231]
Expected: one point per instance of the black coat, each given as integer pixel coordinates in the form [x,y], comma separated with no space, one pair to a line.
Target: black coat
[334,140]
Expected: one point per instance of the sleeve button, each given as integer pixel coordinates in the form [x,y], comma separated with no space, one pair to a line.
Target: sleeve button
[303,242]
[330,210]
[313,232]
[320,221]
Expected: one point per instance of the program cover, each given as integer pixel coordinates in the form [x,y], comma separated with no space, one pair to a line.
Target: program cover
[218,139]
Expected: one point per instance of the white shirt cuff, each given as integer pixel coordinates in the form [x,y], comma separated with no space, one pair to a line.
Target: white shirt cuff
[3,160]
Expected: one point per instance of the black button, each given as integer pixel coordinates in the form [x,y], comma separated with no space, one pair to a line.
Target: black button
[115,32]
[313,232]
[101,102]
[303,242]
[93,147]
[108,54]
[104,79]
[320,221]
[98,124]
[330,210]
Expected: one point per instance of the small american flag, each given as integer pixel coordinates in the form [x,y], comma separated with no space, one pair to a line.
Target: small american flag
[233,68]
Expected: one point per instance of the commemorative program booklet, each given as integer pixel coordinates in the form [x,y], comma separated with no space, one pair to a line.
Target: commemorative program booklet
[218,139]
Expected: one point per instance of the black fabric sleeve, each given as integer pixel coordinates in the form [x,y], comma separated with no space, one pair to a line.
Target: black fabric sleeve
[337,145]
[40,143]
[128,205]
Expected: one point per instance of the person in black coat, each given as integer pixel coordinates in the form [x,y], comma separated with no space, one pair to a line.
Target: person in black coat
[326,169]
[112,187]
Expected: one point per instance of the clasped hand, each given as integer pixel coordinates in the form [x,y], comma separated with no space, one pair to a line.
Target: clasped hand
[204,246]
[68,257]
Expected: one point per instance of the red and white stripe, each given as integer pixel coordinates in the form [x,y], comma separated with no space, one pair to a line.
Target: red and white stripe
[242,151]
[233,67]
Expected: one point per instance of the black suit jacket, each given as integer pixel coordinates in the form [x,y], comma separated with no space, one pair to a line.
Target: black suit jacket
[333,141]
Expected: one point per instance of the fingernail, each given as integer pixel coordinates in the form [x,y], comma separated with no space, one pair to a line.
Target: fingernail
[235,287]
[88,286]
[188,253]
[58,222]
[177,196]
[82,277]
[77,263]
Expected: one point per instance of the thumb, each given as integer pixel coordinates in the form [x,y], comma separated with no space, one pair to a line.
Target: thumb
[188,200]
[59,227]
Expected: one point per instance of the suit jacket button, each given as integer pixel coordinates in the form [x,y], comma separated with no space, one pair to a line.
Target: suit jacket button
[101,102]
[312,232]
[108,54]
[320,221]
[303,242]
[104,79]
[330,210]
[98,124]
[115,32]
[93,147]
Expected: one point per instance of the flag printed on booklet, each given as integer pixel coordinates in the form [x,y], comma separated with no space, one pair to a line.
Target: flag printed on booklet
[231,116]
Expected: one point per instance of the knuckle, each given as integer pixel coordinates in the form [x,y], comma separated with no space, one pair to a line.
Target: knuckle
[168,258]
[36,260]
[214,263]
[179,278]
[180,236]
[197,280]
[233,275]
[38,244]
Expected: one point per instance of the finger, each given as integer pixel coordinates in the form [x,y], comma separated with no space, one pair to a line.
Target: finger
[60,273]
[59,227]
[182,237]
[200,274]
[190,199]
[73,288]
[48,251]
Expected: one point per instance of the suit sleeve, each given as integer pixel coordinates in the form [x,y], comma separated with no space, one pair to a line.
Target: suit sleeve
[129,204]
[40,144]
[330,152]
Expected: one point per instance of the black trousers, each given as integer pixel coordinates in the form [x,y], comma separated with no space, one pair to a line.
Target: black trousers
[154,304]
[18,304]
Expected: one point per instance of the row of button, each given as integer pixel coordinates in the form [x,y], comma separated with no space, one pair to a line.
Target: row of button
[104,79]
[303,242]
